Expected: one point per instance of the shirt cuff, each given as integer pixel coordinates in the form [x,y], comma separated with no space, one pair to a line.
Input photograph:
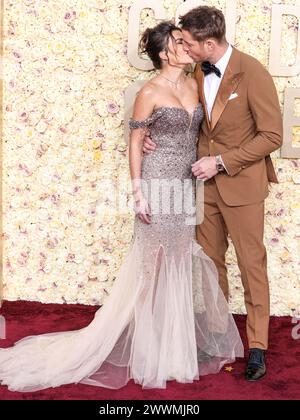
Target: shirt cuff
[223,165]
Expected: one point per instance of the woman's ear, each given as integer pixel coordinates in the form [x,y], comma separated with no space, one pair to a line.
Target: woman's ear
[163,56]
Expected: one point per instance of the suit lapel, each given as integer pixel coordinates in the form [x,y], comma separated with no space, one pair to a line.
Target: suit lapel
[230,82]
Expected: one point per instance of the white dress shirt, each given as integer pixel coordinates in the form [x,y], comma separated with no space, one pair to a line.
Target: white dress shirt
[212,83]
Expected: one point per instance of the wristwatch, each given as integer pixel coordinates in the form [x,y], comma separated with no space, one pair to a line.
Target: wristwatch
[219,163]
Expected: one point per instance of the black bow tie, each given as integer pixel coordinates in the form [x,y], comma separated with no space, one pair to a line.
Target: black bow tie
[208,68]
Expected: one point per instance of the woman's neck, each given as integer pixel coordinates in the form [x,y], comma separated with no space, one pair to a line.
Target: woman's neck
[175,75]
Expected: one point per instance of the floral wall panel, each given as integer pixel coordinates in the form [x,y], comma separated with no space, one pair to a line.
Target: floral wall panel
[64,153]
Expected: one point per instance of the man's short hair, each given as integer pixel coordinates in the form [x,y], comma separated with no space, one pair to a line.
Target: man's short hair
[204,22]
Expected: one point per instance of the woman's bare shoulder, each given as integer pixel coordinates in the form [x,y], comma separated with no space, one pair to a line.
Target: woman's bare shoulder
[149,88]
[148,92]
[145,101]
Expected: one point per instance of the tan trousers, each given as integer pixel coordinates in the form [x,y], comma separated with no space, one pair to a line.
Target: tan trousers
[245,225]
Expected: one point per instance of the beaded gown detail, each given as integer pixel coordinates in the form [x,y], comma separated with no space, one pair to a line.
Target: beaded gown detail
[166,317]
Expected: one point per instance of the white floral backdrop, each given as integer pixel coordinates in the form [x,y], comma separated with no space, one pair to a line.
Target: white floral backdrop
[66,71]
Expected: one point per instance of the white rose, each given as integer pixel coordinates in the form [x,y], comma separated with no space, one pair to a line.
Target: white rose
[41,127]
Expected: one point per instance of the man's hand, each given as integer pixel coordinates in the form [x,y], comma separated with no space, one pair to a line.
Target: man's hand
[149,145]
[205,168]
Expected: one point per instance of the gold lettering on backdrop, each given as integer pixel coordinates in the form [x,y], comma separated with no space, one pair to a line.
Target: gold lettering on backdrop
[290,121]
[134,30]
[275,67]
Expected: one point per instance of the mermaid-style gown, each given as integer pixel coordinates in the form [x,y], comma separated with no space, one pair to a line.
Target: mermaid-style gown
[166,317]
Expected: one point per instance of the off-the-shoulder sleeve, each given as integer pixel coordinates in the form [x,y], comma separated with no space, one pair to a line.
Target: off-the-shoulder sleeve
[141,123]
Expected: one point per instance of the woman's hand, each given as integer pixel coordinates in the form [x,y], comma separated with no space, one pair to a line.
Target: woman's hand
[142,209]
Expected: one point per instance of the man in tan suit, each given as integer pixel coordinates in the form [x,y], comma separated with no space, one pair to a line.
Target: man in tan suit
[242,127]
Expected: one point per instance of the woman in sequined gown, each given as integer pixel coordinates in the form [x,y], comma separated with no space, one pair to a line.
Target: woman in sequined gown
[166,317]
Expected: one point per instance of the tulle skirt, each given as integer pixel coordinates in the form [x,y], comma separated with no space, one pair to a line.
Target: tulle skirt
[169,323]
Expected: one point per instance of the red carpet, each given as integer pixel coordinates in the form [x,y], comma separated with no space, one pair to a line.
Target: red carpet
[282,382]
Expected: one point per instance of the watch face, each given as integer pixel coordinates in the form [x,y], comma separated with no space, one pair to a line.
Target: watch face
[219,164]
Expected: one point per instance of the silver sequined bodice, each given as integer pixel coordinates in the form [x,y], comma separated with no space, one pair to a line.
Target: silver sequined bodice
[175,133]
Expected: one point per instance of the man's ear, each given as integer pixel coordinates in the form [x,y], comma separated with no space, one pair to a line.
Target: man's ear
[210,44]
